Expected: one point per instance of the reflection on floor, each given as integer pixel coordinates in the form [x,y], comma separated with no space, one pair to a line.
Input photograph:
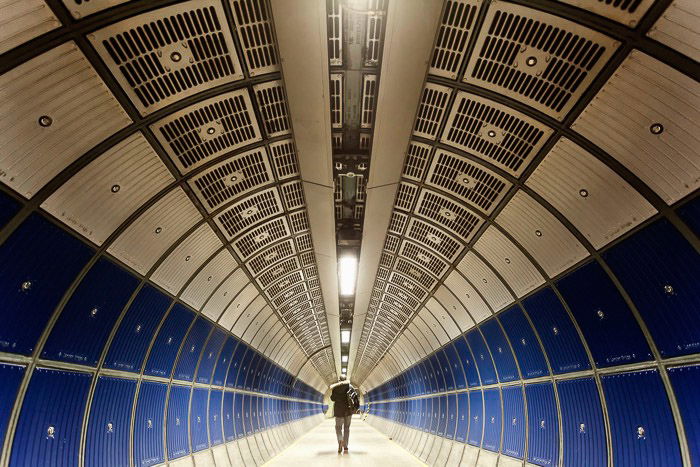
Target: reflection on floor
[368,447]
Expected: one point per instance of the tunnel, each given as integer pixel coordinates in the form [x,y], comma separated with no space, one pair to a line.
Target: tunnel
[483,215]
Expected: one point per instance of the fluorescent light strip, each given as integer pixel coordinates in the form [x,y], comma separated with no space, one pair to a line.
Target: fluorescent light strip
[347,274]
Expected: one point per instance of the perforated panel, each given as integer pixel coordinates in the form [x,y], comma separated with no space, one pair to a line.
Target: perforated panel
[144,241]
[284,158]
[206,280]
[627,12]
[419,255]
[435,239]
[60,107]
[167,54]
[468,181]
[272,105]
[243,214]
[271,256]
[537,58]
[509,261]
[583,189]
[453,35]
[499,134]
[453,216]
[622,119]
[336,88]
[431,110]
[552,245]
[261,236]
[24,20]
[208,129]
[679,27]
[369,95]
[186,258]
[255,33]
[232,178]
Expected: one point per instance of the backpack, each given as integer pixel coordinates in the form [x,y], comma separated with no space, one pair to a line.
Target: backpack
[352,399]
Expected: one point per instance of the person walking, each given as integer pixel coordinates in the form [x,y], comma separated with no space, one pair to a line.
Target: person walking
[345,403]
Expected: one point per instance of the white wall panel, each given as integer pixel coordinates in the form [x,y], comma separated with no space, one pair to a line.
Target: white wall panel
[248,316]
[600,204]
[488,283]
[59,106]
[642,94]
[509,261]
[460,298]
[238,306]
[208,279]
[149,236]
[443,317]
[431,328]
[552,245]
[186,258]
[96,200]
[224,294]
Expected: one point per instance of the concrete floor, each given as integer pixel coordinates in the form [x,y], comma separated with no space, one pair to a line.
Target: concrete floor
[368,447]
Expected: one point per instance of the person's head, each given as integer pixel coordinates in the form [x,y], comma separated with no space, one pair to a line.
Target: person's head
[341,378]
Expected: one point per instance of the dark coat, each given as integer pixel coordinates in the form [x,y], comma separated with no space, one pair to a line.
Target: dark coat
[340,399]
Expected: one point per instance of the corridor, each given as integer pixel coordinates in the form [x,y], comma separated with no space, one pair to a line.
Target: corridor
[367,448]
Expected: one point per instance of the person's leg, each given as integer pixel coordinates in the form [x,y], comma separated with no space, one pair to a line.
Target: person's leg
[338,432]
[346,435]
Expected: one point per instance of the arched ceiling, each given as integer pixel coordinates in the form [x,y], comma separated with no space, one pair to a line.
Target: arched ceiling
[159,132]
[540,134]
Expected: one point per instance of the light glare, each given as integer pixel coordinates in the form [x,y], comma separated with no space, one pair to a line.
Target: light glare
[347,274]
[345,337]
[344,359]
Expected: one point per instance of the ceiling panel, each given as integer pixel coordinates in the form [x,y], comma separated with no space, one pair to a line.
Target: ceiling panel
[186,258]
[467,295]
[647,116]
[60,106]
[600,203]
[24,20]
[556,59]
[167,54]
[552,245]
[679,28]
[96,200]
[509,261]
[154,231]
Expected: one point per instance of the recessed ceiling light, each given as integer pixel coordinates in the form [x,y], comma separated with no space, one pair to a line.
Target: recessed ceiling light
[531,61]
[45,121]
[116,188]
[656,128]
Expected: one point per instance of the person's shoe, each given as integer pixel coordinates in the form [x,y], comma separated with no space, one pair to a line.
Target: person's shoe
[345,448]
[340,447]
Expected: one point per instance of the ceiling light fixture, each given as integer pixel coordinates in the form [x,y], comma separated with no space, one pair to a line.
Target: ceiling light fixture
[345,337]
[347,274]
[344,359]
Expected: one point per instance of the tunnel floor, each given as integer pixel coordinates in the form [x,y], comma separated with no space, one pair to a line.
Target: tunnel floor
[368,447]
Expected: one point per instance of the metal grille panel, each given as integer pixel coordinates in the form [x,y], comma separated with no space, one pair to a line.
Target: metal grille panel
[502,136]
[261,236]
[477,186]
[537,58]
[453,216]
[232,178]
[243,214]
[431,110]
[164,55]
[336,89]
[255,32]
[435,239]
[211,128]
[272,104]
[284,158]
[417,160]
[424,257]
[271,256]
[369,95]
[453,35]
